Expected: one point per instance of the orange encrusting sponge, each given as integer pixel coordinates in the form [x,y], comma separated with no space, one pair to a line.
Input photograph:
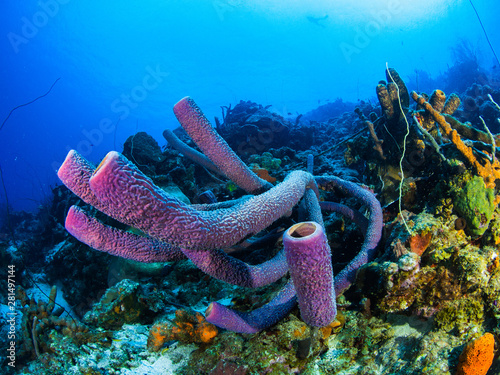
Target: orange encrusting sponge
[187,327]
[477,356]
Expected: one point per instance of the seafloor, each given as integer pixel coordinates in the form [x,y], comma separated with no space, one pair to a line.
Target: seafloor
[433,287]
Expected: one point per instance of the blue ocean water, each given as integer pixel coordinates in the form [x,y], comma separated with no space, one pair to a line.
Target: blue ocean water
[122,65]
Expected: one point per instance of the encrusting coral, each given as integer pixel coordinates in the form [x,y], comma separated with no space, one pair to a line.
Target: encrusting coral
[199,232]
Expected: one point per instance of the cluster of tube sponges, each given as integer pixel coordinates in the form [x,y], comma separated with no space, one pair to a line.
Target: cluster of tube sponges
[174,230]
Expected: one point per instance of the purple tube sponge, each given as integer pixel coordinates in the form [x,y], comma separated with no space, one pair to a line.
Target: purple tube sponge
[250,322]
[102,237]
[310,207]
[224,267]
[216,263]
[353,215]
[185,221]
[373,232]
[309,259]
[216,148]
[75,173]
[129,196]
[256,320]
[120,190]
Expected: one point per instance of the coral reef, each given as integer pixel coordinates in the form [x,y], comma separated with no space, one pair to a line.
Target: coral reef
[409,297]
[250,128]
[476,102]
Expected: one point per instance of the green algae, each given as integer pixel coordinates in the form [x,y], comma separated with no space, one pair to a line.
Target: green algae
[476,204]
